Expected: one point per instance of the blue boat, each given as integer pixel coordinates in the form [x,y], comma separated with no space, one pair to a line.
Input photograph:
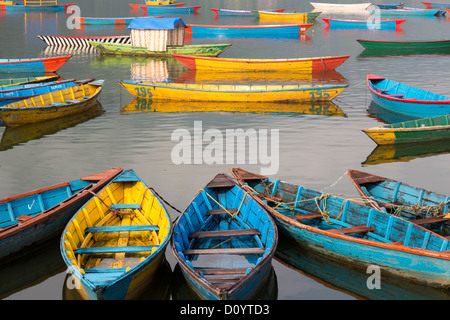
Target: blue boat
[35,6]
[169,10]
[30,65]
[408,11]
[30,218]
[423,207]
[22,92]
[397,5]
[224,242]
[363,24]
[352,233]
[115,243]
[281,30]
[406,100]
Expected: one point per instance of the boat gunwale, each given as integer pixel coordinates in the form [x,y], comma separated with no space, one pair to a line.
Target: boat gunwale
[400,42]
[258,60]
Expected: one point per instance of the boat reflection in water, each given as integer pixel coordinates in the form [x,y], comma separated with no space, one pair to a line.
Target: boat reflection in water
[349,279]
[30,267]
[158,290]
[13,136]
[326,108]
[181,290]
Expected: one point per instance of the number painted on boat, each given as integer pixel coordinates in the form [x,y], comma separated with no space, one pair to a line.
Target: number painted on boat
[143,92]
[319,94]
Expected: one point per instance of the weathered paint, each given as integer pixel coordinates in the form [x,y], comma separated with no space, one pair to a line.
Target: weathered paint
[121,278]
[208,50]
[250,93]
[314,64]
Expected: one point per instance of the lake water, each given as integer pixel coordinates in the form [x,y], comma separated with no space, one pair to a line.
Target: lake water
[316,145]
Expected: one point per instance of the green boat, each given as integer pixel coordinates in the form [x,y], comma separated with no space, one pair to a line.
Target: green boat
[412,131]
[204,50]
[406,45]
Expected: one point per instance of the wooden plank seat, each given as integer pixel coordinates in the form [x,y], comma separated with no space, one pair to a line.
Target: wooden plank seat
[120,206]
[72,101]
[430,220]
[104,270]
[221,271]
[225,251]
[130,249]
[122,228]
[307,216]
[224,233]
[349,230]
[221,211]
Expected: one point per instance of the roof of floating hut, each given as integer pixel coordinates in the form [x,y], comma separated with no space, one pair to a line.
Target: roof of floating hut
[148,23]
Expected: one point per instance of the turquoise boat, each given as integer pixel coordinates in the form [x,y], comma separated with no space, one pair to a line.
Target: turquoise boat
[28,219]
[352,233]
[405,100]
[407,11]
[224,242]
[35,6]
[114,245]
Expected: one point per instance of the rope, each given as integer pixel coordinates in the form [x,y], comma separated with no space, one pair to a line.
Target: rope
[231,214]
[165,201]
[113,211]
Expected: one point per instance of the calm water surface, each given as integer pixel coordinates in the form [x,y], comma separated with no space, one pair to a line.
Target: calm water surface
[316,145]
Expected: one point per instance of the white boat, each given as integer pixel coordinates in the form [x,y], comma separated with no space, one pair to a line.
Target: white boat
[340,8]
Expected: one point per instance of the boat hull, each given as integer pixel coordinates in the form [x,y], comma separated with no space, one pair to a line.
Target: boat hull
[169,10]
[24,112]
[103,21]
[371,25]
[411,106]
[250,30]
[421,45]
[408,12]
[49,223]
[81,42]
[415,131]
[33,65]
[286,16]
[257,93]
[432,5]
[341,8]
[55,8]
[207,50]
[316,64]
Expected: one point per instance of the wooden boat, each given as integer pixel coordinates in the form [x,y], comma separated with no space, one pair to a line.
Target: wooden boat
[21,92]
[341,7]
[247,30]
[81,42]
[410,12]
[406,100]
[135,6]
[51,64]
[397,5]
[35,6]
[423,207]
[52,105]
[103,21]
[298,17]
[240,13]
[32,217]
[6,83]
[161,3]
[249,93]
[236,269]
[350,232]
[169,10]
[115,244]
[412,131]
[421,45]
[432,5]
[363,24]
[315,64]
[207,50]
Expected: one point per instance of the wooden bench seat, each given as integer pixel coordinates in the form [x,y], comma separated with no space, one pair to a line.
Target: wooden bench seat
[430,220]
[130,249]
[122,228]
[125,206]
[224,233]
[221,211]
[225,251]
[221,271]
[307,216]
[349,230]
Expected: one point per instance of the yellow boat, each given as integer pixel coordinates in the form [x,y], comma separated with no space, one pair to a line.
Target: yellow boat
[297,17]
[325,108]
[52,105]
[310,65]
[115,244]
[223,92]
[159,3]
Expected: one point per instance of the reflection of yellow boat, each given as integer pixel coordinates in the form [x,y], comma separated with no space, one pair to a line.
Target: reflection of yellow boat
[207,76]
[222,92]
[21,134]
[406,152]
[326,108]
